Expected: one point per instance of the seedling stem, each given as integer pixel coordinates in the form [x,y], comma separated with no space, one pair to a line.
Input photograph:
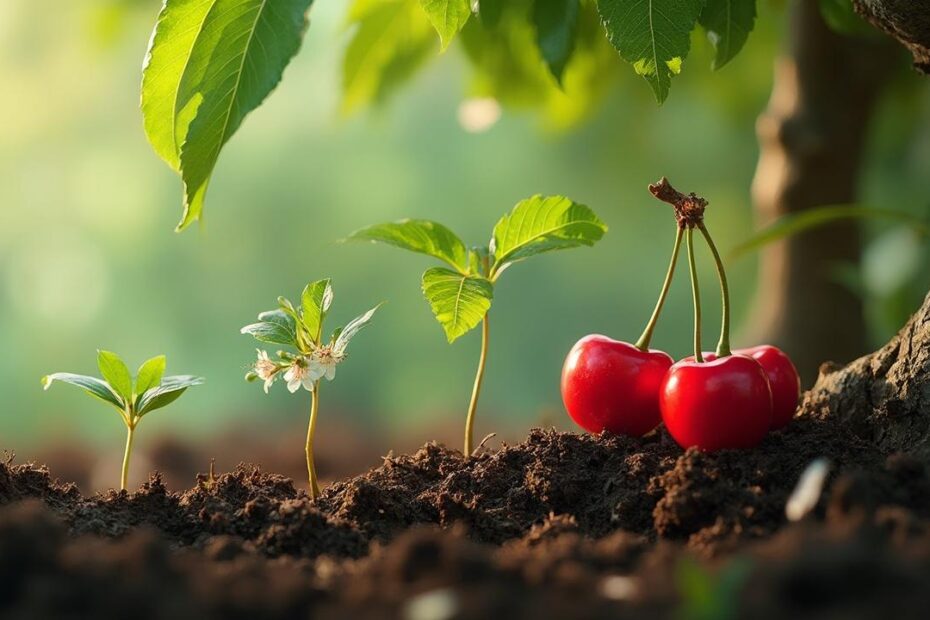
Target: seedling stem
[311,431]
[476,390]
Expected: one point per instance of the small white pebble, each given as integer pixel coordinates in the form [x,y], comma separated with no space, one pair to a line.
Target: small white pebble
[618,588]
[439,604]
[808,490]
[479,114]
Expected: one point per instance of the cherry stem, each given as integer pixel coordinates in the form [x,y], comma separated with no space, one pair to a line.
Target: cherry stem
[723,346]
[476,390]
[698,356]
[643,343]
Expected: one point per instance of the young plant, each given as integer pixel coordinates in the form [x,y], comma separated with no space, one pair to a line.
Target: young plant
[151,390]
[302,329]
[460,296]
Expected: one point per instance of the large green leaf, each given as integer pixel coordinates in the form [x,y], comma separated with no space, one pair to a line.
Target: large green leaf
[392,39]
[169,391]
[315,302]
[115,372]
[728,24]
[447,17]
[653,35]
[542,224]
[92,385]
[150,374]
[353,327]
[555,22]
[273,327]
[422,236]
[210,63]
[803,221]
[458,301]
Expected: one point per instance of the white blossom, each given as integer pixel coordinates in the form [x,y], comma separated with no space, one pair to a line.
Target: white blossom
[266,369]
[300,374]
[324,360]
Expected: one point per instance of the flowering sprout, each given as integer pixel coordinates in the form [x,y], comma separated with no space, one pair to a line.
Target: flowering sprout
[151,390]
[313,359]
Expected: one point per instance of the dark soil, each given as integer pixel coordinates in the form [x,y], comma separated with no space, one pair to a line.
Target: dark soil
[558,526]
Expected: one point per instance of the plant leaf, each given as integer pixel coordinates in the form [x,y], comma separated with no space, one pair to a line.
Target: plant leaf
[458,301]
[210,63]
[169,391]
[728,24]
[542,224]
[392,39]
[315,302]
[150,374]
[422,236]
[115,372]
[92,385]
[797,223]
[352,327]
[447,17]
[653,35]
[273,327]
[555,22]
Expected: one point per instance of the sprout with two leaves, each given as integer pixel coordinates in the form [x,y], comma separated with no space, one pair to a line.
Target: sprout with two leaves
[314,359]
[151,390]
[460,297]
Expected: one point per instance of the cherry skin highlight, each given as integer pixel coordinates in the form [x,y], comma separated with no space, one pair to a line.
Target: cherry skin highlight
[783,379]
[609,385]
[718,404]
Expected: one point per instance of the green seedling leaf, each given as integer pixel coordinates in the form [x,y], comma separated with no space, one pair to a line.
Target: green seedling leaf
[391,40]
[210,63]
[542,224]
[555,22]
[653,35]
[92,385]
[458,301]
[273,327]
[150,374]
[343,335]
[115,372]
[728,24]
[797,223]
[421,236]
[169,391]
[447,17]
[315,302]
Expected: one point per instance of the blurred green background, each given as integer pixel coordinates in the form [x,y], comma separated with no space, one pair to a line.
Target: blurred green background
[88,258]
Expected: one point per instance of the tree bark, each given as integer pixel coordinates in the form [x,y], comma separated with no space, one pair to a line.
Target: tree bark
[908,21]
[811,143]
[883,398]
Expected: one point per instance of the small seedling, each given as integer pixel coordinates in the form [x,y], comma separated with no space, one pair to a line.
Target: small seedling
[302,329]
[151,390]
[460,297]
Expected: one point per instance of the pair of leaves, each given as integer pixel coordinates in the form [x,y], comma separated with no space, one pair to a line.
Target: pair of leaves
[655,35]
[210,63]
[289,327]
[460,297]
[150,390]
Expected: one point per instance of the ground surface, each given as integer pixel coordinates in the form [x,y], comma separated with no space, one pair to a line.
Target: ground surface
[561,525]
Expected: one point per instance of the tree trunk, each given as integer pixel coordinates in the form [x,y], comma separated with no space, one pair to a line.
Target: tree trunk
[908,21]
[811,141]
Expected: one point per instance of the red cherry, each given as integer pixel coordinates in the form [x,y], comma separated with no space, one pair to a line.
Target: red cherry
[783,379]
[717,404]
[613,386]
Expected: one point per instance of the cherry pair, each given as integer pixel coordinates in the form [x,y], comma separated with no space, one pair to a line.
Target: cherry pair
[711,401]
